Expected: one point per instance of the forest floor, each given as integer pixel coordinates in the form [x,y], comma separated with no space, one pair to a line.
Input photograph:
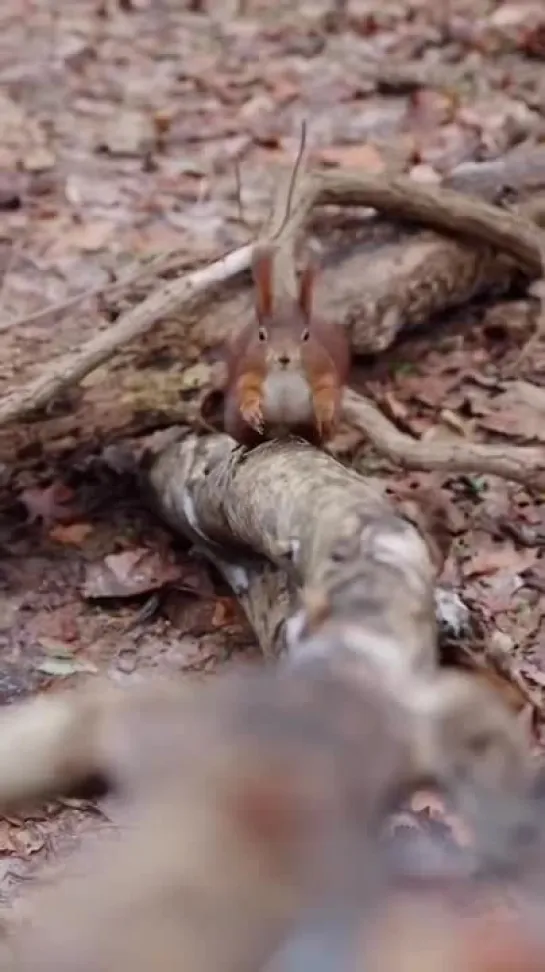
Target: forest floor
[125,129]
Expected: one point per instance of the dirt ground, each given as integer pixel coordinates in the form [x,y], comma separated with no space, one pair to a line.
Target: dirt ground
[125,130]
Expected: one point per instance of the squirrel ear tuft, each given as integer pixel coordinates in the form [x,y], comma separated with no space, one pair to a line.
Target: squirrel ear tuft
[306,287]
[262,274]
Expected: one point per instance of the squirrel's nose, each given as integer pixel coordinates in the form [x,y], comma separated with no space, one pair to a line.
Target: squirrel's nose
[284,359]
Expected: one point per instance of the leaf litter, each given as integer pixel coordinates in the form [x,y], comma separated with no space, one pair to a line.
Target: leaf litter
[119,136]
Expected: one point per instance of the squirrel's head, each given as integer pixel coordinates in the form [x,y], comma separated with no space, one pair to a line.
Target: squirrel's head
[283,326]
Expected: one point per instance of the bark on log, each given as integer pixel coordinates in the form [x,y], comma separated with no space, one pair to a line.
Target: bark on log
[333,531]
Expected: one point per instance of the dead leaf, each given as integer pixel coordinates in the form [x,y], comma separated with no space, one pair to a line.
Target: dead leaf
[56,648]
[486,561]
[519,411]
[129,574]
[516,14]
[39,160]
[428,109]
[425,173]
[6,837]
[533,41]
[73,535]
[226,612]
[447,147]
[398,410]
[50,504]
[129,133]
[197,376]
[64,667]
[162,120]
[365,157]
[88,238]
[453,421]
[11,190]
[534,673]
[27,841]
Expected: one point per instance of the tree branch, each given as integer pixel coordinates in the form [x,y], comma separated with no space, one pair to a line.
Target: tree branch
[522,464]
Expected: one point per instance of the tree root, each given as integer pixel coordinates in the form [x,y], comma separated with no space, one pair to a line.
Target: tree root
[522,464]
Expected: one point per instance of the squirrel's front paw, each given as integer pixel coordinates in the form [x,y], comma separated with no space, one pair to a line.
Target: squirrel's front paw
[325,412]
[253,416]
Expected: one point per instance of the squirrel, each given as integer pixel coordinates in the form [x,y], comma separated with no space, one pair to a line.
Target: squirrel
[287,369]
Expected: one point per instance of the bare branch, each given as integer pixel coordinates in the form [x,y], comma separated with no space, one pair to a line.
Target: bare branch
[519,463]
[72,367]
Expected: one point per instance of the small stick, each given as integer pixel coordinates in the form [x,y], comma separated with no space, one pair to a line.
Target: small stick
[293,178]
[15,251]
[238,184]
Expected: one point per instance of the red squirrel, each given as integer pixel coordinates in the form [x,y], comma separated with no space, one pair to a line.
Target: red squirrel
[287,369]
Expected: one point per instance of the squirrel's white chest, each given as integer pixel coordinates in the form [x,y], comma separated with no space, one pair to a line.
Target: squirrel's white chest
[287,399]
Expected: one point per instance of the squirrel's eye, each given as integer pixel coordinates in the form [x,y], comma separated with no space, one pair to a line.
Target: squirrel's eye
[262,334]
[305,335]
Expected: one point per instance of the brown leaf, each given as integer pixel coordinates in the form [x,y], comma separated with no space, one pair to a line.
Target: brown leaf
[493,559]
[397,409]
[534,673]
[447,147]
[11,189]
[429,109]
[6,837]
[50,504]
[89,237]
[225,612]
[129,133]
[516,14]
[196,376]
[425,173]
[129,574]
[533,41]
[39,160]
[27,841]
[518,411]
[73,535]
[365,157]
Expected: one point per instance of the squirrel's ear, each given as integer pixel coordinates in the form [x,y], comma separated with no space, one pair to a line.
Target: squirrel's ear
[306,286]
[262,274]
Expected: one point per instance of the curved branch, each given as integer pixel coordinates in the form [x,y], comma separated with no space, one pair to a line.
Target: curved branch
[520,463]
